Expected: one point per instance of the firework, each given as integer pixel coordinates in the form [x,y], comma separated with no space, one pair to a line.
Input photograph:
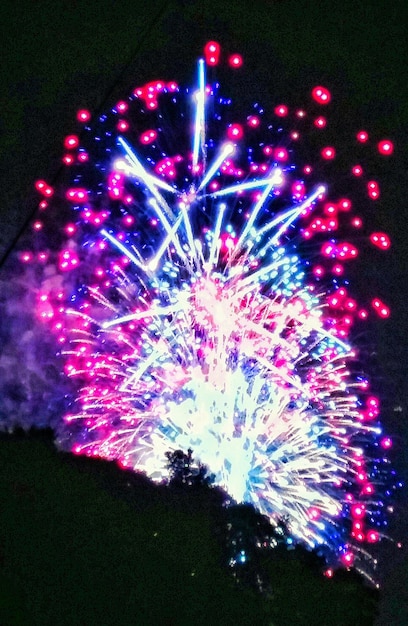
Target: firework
[195,287]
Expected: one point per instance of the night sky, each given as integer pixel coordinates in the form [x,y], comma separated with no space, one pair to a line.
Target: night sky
[60,56]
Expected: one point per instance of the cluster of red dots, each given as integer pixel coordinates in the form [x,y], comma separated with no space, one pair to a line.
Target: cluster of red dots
[322,96]
[228,168]
[151,91]
[320,225]
[72,145]
[212,54]
[29,257]
[279,153]
[167,167]
[149,136]
[77,195]
[96,218]
[341,301]
[44,189]
[343,251]
[67,260]
[380,240]
[358,514]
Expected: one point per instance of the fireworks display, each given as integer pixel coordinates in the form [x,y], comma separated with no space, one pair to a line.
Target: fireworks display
[192,274]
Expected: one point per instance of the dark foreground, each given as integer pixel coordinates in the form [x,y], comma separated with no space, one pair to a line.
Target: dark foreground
[82,542]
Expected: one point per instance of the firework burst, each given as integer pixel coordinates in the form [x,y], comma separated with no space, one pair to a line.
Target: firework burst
[196,290]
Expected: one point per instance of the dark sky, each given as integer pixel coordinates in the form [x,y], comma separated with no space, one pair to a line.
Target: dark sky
[59,56]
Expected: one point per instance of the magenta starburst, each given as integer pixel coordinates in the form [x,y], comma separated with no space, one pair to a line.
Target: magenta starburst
[191,269]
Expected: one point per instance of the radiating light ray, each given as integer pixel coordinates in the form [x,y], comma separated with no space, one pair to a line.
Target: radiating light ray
[149,180]
[132,257]
[225,151]
[199,126]
[184,208]
[171,237]
[140,315]
[130,170]
[275,180]
[257,208]
[293,214]
[276,238]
